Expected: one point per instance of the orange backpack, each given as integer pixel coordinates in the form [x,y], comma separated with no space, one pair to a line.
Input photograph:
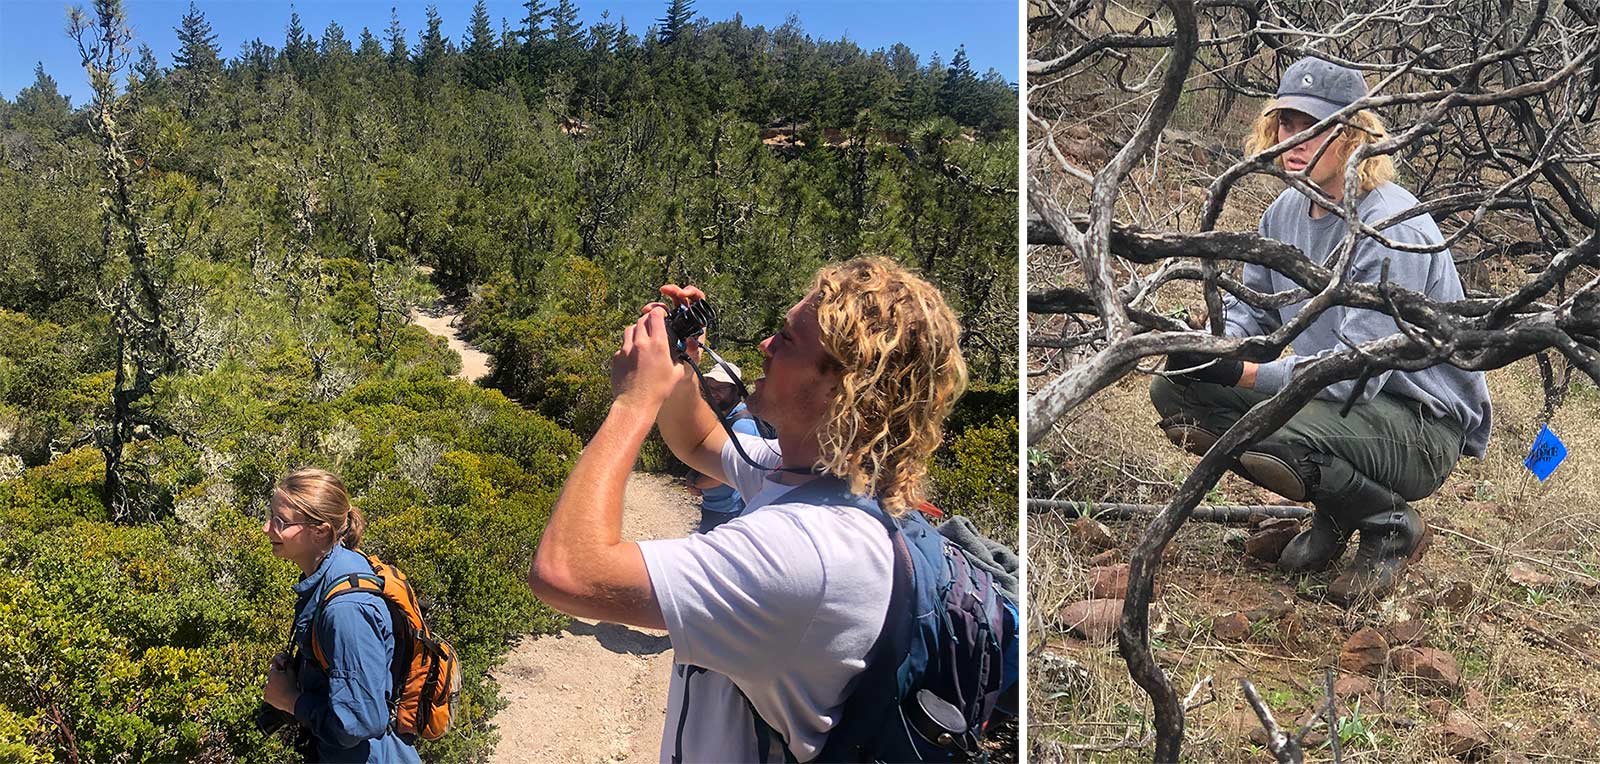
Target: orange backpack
[427,673]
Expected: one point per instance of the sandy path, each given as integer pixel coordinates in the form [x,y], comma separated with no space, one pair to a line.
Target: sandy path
[440,320]
[594,692]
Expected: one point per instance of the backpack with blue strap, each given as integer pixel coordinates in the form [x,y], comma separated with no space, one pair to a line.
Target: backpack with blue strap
[945,660]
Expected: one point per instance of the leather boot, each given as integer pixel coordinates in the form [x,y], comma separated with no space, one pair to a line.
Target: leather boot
[1391,539]
[1298,473]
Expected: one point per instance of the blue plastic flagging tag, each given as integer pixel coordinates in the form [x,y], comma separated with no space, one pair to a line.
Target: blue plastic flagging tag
[1547,454]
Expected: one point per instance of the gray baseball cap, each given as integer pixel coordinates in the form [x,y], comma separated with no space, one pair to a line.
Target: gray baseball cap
[1318,88]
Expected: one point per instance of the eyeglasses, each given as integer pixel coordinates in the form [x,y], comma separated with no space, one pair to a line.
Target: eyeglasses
[278,523]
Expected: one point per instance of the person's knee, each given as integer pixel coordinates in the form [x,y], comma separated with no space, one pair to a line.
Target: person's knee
[1165,395]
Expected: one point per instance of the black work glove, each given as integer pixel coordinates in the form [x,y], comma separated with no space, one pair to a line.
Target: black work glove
[1217,371]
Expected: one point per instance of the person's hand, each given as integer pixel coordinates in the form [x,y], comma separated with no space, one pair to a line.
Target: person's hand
[1196,367]
[675,296]
[643,372]
[283,687]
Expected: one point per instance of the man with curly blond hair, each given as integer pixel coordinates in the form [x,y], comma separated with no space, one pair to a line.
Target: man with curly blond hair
[1398,443]
[775,612]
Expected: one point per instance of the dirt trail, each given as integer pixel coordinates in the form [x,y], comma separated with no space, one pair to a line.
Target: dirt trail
[594,692]
[440,320]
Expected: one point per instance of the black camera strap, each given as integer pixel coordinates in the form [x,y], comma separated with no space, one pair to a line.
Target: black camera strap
[738,382]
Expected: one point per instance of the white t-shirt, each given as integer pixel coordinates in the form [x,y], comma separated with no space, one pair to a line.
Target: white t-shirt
[785,600]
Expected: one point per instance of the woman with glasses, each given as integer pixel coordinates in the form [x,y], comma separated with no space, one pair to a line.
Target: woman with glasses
[345,709]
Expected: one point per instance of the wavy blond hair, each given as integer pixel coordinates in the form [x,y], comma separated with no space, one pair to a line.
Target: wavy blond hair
[1362,127]
[898,344]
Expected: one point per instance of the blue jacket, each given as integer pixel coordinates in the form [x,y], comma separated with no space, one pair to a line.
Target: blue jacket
[347,708]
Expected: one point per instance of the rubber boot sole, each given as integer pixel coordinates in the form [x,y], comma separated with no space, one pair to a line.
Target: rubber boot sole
[1273,474]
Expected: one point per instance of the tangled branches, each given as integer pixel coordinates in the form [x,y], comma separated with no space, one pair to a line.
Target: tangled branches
[1493,103]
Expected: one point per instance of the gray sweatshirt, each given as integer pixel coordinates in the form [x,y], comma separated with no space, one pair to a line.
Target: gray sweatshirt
[1444,390]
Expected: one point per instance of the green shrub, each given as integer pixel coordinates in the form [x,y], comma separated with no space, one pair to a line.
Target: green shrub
[975,475]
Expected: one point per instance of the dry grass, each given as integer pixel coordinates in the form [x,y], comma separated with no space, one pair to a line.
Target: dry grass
[1529,652]
[1529,656]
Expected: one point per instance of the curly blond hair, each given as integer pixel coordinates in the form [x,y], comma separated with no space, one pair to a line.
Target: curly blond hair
[898,345]
[1362,127]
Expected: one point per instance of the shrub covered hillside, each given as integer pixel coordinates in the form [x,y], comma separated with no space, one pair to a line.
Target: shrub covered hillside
[206,275]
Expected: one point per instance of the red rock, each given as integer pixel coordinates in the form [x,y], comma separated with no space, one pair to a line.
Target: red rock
[1108,582]
[1266,543]
[1438,708]
[1093,533]
[1462,737]
[1111,582]
[1095,620]
[1233,627]
[1529,576]
[1290,627]
[1404,633]
[1351,686]
[1457,597]
[1474,700]
[1108,557]
[1436,669]
[1483,508]
[1365,652]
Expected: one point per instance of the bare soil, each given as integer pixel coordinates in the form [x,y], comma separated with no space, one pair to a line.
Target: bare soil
[594,692]
[440,320]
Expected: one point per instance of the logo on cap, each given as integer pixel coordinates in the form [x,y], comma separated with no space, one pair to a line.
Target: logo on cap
[1307,80]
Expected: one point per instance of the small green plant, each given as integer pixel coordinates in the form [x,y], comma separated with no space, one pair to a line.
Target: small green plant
[1303,586]
[1354,728]
[1264,630]
[1538,597]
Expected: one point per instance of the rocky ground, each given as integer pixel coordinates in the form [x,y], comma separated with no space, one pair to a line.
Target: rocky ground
[1487,653]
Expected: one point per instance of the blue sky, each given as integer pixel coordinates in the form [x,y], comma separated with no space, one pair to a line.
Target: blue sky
[35,30]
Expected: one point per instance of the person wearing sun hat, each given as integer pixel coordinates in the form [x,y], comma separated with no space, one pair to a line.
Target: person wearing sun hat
[720,502]
[1407,429]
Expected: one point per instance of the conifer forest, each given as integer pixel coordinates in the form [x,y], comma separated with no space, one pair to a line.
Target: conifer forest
[207,273]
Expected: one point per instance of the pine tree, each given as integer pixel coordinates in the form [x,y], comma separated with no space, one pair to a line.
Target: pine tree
[564,26]
[42,103]
[146,70]
[369,48]
[196,65]
[481,47]
[334,44]
[397,39]
[533,29]
[958,97]
[679,15]
[197,45]
[295,41]
[431,49]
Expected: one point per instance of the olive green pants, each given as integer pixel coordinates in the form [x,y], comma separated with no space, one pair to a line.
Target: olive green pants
[1391,440]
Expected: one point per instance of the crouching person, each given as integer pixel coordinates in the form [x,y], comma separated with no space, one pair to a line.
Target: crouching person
[772,615]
